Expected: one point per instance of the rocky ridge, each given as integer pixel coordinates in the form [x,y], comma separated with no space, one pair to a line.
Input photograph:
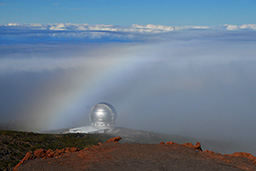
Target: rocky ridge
[112,155]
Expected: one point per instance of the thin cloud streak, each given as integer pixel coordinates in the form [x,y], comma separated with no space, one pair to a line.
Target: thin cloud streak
[68,32]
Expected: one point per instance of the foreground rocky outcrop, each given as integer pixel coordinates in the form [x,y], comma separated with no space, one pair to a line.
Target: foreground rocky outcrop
[41,153]
[115,156]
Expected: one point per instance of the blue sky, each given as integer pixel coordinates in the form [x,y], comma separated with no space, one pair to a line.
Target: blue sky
[120,12]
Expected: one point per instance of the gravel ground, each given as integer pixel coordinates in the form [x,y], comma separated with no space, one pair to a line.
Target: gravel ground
[125,157]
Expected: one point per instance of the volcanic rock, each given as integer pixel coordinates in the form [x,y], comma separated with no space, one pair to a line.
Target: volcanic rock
[125,157]
[41,153]
[115,139]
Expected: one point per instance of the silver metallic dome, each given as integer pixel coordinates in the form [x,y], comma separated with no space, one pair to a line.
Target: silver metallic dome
[103,115]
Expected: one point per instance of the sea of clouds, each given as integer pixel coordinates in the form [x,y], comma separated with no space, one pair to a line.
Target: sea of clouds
[190,80]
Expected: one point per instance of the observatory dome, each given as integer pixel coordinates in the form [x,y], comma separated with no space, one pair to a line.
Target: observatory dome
[103,115]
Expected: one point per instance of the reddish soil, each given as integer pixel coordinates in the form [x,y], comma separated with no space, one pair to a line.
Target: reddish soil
[115,156]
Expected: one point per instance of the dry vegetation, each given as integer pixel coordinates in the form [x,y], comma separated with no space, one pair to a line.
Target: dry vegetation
[14,145]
